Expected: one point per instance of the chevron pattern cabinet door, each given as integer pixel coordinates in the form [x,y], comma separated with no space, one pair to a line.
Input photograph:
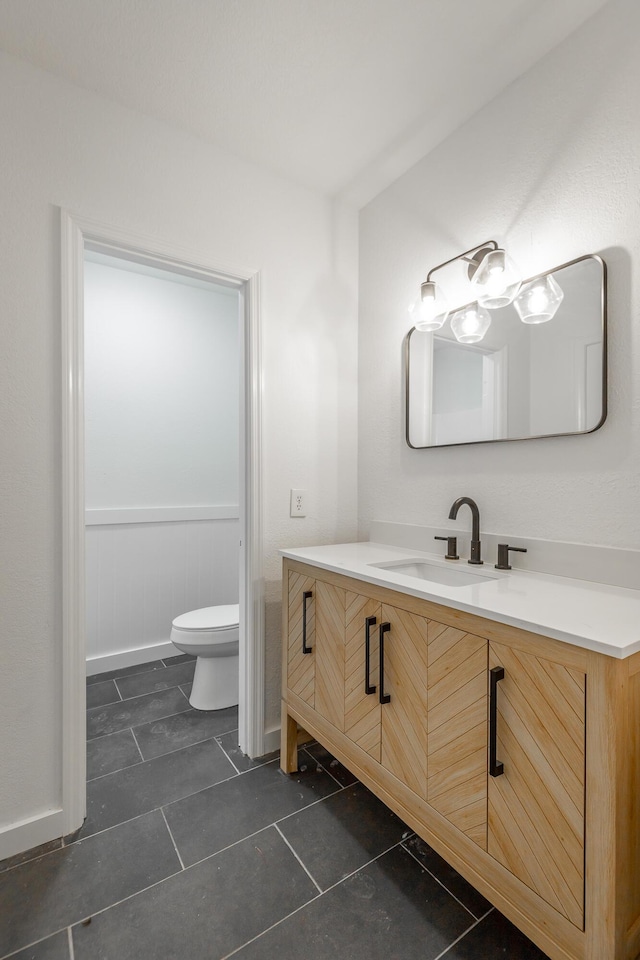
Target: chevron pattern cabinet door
[301,667]
[457,728]
[361,710]
[330,617]
[404,718]
[536,808]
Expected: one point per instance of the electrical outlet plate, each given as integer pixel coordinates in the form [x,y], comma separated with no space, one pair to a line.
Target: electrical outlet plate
[298,503]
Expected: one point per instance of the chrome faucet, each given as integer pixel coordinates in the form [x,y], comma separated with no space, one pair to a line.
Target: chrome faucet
[475,526]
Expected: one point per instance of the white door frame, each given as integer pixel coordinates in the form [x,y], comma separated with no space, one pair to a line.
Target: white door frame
[76,231]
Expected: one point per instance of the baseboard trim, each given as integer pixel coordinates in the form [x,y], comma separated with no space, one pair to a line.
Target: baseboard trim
[129,658]
[21,836]
[272,740]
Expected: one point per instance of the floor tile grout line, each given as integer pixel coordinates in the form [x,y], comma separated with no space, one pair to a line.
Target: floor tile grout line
[120,730]
[312,804]
[363,865]
[312,900]
[175,686]
[115,683]
[34,943]
[146,723]
[227,756]
[273,925]
[168,753]
[36,856]
[238,773]
[442,956]
[442,884]
[122,676]
[322,766]
[96,913]
[187,796]
[140,696]
[127,766]
[166,823]
[135,740]
[304,867]
[231,845]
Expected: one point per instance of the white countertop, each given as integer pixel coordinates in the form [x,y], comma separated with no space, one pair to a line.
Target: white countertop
[590,615]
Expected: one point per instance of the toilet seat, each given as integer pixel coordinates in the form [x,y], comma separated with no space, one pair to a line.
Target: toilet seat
[209,618]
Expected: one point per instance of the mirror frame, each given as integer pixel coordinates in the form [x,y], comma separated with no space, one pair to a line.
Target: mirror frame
[542,436]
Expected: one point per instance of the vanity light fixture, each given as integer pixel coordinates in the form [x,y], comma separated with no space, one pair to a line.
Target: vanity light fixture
[495,279]
[489,279]
[431,309]
[539,300]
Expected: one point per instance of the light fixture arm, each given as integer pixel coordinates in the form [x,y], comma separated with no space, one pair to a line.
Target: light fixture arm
[487,245]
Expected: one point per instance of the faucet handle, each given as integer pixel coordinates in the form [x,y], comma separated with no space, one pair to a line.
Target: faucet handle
[452,547]
[503,555]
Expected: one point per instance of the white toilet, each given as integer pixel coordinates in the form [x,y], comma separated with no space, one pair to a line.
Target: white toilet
[212,635]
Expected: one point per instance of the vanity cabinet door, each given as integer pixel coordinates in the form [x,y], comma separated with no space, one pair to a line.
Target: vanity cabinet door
[301,636]
[457,728]
[536,806]
[362,708]
[315,656]
[330,652]
[403,748]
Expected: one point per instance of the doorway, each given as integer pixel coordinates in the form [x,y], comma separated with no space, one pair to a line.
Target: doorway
[80,237]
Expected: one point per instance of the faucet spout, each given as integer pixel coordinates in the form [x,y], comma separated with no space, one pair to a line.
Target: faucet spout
[476,546]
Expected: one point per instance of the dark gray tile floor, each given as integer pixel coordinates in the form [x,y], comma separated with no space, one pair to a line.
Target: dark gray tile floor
[192,851]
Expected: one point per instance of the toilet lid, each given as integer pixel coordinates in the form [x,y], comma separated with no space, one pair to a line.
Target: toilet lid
[210,618]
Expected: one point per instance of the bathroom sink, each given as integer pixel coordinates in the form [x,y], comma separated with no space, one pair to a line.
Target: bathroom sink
[423,570]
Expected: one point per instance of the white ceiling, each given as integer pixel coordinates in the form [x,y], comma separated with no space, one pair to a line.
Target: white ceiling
[340,95]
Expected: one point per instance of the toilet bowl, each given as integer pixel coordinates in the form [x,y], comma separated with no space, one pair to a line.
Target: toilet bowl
[212,635]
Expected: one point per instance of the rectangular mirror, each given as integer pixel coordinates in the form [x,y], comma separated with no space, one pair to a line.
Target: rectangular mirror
[523,380]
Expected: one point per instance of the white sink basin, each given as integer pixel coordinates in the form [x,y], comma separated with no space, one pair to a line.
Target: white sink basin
[423,570]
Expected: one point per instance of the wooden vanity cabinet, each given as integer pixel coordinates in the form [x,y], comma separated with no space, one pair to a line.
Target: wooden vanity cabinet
[536,805]
[553,839]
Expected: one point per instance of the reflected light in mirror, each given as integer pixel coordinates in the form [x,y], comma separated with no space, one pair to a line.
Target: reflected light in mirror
[538,302]
[470,324]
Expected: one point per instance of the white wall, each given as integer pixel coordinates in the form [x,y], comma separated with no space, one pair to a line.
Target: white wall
[550,167]
[161,398]
[161,404]
[141,576]
[64,146]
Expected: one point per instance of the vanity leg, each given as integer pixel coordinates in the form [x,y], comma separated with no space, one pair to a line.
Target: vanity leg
[288,742]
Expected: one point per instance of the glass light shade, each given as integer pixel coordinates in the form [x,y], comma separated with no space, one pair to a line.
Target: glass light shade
[423,317]
[470,324]
[539,300]
[496,281]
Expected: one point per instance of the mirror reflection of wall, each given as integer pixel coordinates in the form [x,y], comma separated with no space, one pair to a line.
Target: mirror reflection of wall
[523,380]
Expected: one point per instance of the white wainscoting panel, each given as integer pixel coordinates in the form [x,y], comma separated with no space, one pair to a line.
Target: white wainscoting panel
[140,576]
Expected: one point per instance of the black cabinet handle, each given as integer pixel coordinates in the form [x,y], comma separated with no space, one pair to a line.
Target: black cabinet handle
[496,674]
[368,623]
[305,596]
[384,697]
